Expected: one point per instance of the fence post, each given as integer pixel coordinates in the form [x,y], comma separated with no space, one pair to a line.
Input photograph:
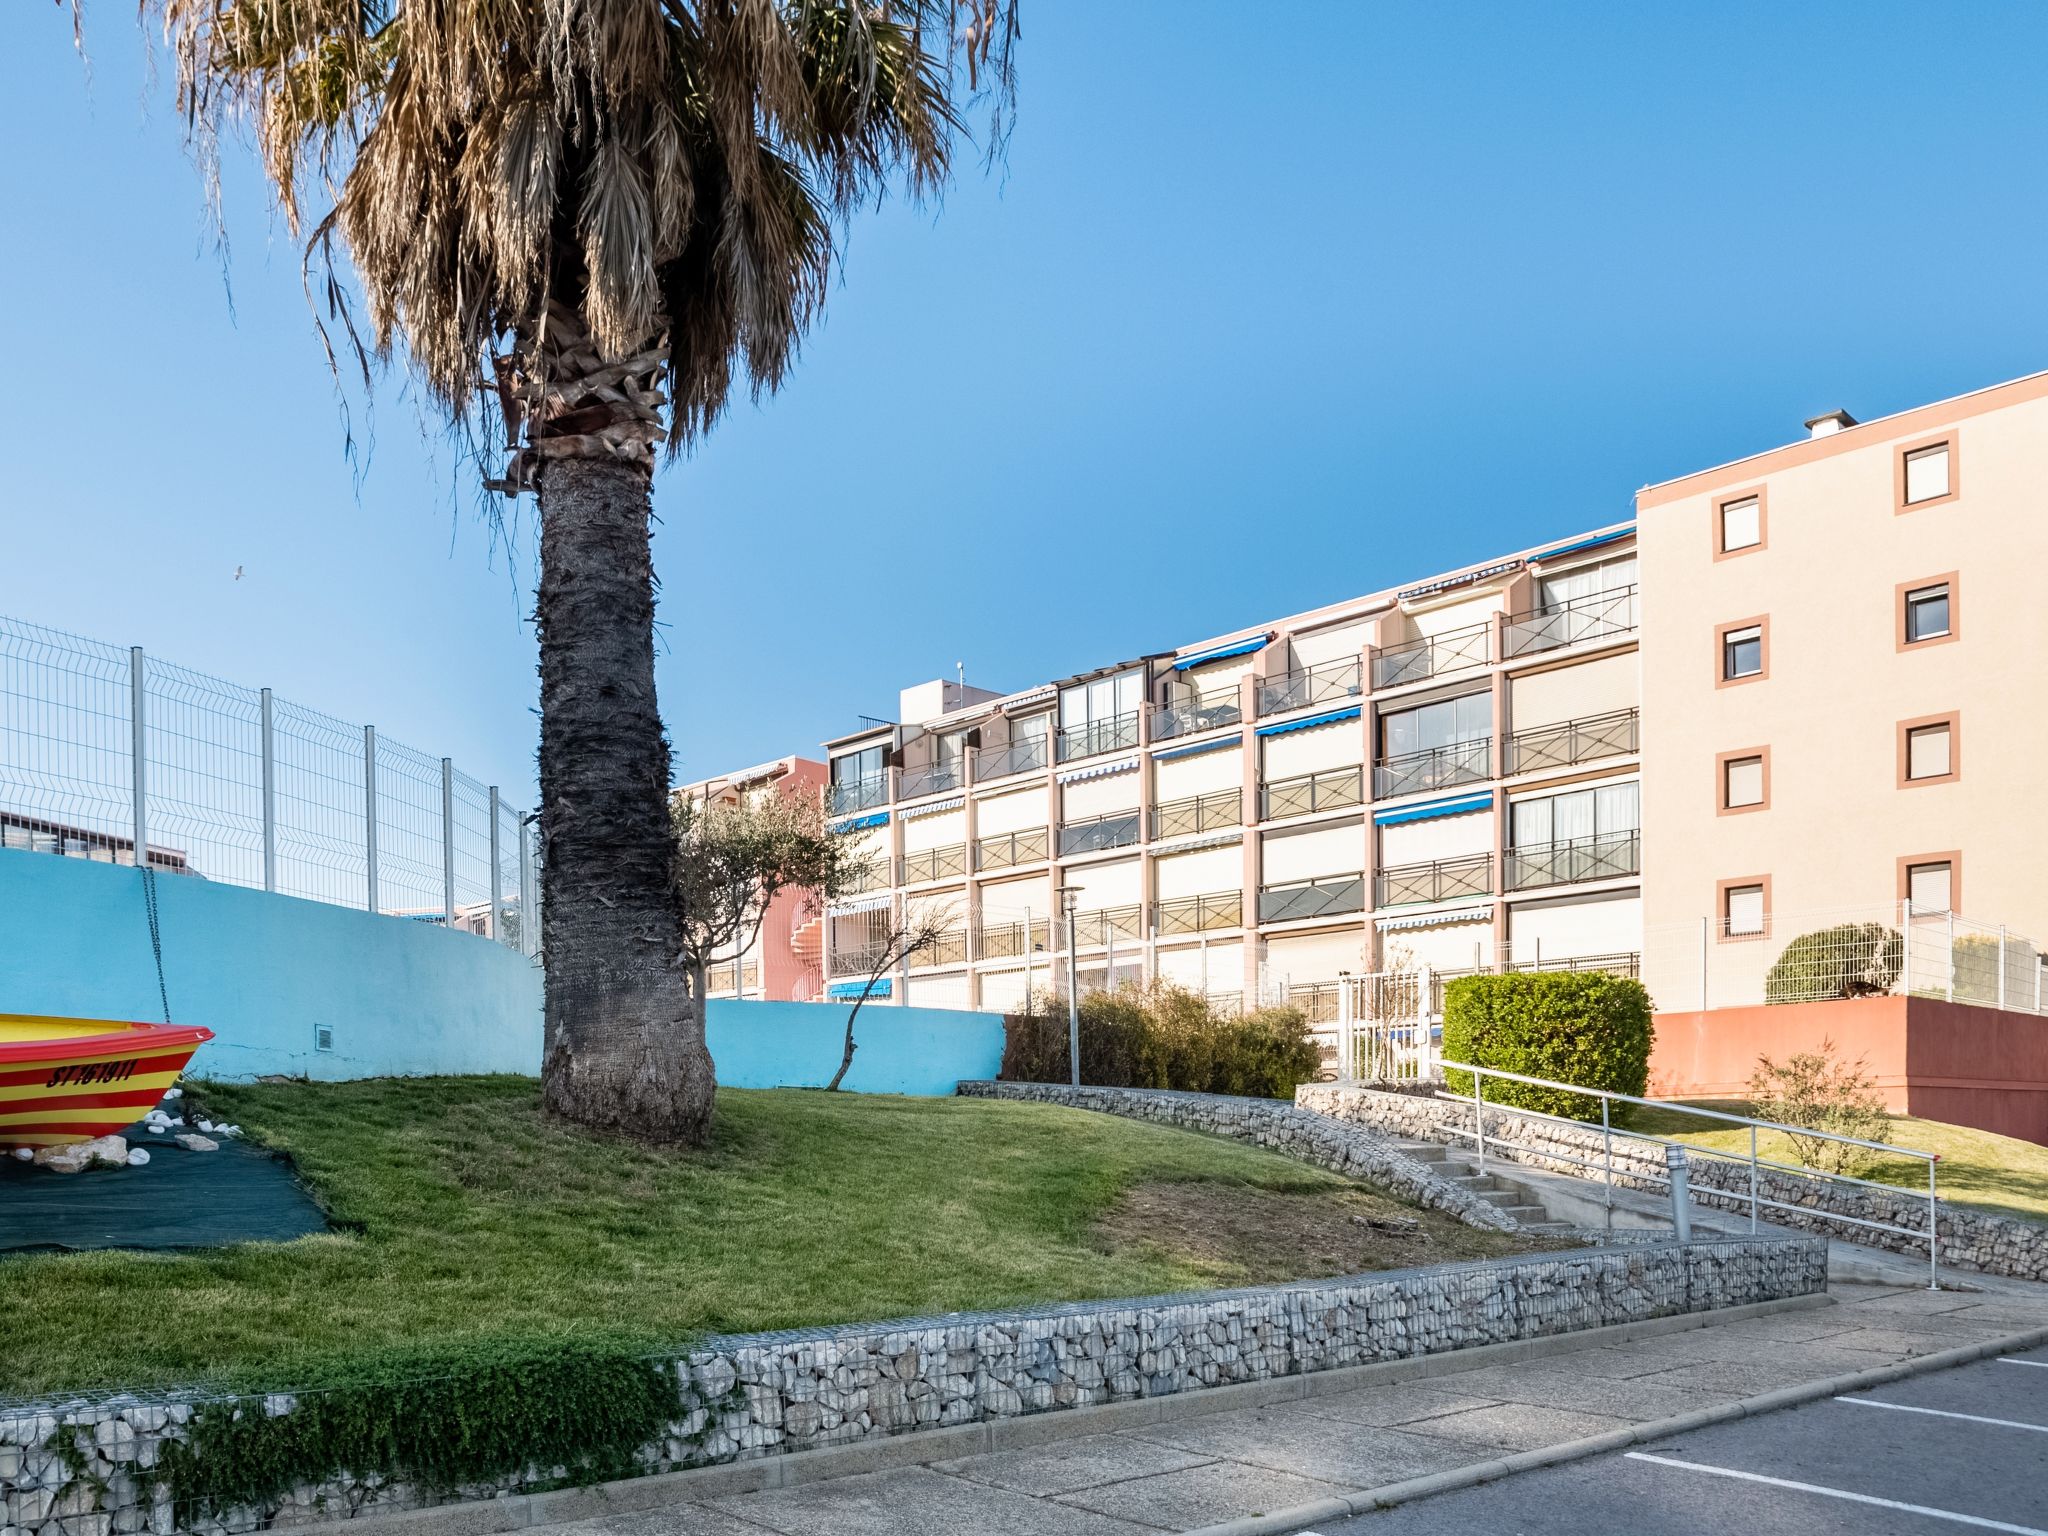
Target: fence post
[138,750]
[497,875]
[370,816]
[1752,1179]
[1906,958]
[1344,1027]
[529,930]
[1951,915]
[1607,1144]
[1479,1113]
[2001,965]
[1705,941]
[1933,1232]
[448,841]
[269,793]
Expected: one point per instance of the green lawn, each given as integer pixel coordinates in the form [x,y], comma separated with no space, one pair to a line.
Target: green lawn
[477,1218]
[2000,1173]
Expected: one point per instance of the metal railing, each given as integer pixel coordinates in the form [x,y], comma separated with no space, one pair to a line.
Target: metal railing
[1312,898]
[1219,809]
[1118,831]
[104,750]
[1573,741]
[1012,940]
[870,874]
[1027,754]
[1574,861]
[1013,848]
[1324,684]
[1416,661]
[1105,925]
[858,961]
[1437,880]
[1463,762]
[932,779]
[1622,963]
[858,795]
[945,863]
[1194,712]
[1596,616]
[1200,914]
[1098,736]
[947,947]
[1331,790]
[732,977]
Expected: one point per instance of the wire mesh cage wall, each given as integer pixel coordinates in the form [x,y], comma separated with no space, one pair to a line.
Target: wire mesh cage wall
[103,750]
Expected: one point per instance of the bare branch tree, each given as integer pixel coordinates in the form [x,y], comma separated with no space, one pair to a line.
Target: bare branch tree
[920,928]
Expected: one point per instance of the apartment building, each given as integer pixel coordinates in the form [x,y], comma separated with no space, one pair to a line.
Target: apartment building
[784,961]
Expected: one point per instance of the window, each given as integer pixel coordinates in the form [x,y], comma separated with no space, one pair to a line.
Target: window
[1930,750]
[1930,887]
[1927,613]
[1553,592]
[1099,699]
[1742,524]
[1742,782]
[1610,811]
[860,767]
[1742,911]
[1446,723]
[1928,475]
[1742,652]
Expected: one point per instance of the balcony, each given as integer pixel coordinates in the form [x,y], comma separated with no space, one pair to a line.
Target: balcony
[1212,812]
[1010,941]
[1575,861]
[948,947]
[1196,712]
[1200,914]
[1432,656]
[1327,897]
[867,873]
[947,863]
[1464,762]
[860,795]
[932,779]
[1575,741]
[858,961]
[1438,880]
[1118,831]
[1107,925]
[1098,736]
[1313,685]
[1331,790]
[1027,754]
[1012,848]
[728,977]
[1623,964]
[1596,616]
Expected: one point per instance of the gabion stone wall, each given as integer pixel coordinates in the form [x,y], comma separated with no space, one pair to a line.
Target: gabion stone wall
[87,1467]
[1974,1240]
[1356,1149]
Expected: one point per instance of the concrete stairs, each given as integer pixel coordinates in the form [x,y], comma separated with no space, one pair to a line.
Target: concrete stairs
[1514,1196]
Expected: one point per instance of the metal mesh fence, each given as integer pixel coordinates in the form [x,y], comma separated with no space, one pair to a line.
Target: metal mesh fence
[247,789]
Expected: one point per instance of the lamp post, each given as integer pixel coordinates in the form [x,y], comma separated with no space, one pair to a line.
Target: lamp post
[1069,899]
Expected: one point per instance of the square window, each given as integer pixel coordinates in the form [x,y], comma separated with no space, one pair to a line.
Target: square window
[1930,887]
[1742,652]
[1927,474]
[1741,525]
[1743,782]
[1743,912]
[1927,752]
[1927,613]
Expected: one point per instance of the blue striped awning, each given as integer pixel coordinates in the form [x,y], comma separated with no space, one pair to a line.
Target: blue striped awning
[1198,749]
[861,823]
[1312,721]
[846,991]
[1222,652]
[1457,805]
[1594,541]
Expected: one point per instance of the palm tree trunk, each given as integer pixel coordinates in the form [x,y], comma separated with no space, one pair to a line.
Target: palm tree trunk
[624,1046]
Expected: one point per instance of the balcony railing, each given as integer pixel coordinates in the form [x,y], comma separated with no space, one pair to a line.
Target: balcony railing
[1596,616]
[1098,736]
[1575,861]
[1196,712]
[870,874]
[1624,964]
[947,863]
[1438,880]
[948,947]
[727,977]
[1198,813]
[1464,762]
[1199,914]
[1026,754]
[1118,831]
[1312,898]
[860,961]
[1312,685]
[1104,924]
[1574,741]
[1009,941]
[860,794]
[932,779]
[1330,790]
[1012,848]
[1432,656]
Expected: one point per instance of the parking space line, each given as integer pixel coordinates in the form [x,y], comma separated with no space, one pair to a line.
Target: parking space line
[2039,1365]
[1943,1413]
[1841,1493]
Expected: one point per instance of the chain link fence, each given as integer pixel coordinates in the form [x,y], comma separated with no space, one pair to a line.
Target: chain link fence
[104,750]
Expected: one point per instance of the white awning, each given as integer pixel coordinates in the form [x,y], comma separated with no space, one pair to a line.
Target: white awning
[1435,919]
[931,808]
[1099,771]
[1213,840]
[864,904]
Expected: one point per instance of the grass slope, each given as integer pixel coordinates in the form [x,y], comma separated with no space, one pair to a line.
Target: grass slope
[478,1218]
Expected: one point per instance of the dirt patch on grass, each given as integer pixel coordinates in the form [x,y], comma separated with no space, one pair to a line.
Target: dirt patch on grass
[1242,1235]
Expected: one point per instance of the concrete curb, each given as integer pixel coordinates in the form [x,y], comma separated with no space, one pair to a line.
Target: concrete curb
[1346,1506]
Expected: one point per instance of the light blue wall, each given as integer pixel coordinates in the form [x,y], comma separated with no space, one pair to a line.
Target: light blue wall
[403,998]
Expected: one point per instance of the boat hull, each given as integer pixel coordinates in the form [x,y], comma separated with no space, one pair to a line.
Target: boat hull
[66,1080]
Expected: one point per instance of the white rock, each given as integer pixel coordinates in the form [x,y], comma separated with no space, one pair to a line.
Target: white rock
[158,1130]
[192,1143]
[137,1158]
[207,1126]
[24,1154]
[174,1093]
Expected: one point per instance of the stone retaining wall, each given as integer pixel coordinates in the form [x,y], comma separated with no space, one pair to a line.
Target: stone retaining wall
[1355,1149]
[1971,1240]
[87,1467]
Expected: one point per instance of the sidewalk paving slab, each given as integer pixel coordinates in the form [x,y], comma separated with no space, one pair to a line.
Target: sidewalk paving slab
[1203,1495]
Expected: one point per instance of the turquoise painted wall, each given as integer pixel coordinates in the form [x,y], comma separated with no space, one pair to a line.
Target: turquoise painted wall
[403,998]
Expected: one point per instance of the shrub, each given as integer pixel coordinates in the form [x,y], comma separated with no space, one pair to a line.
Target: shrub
[1162,1036]
[1591,1028]
[1848,960]
[1973,970]
[1816,1091]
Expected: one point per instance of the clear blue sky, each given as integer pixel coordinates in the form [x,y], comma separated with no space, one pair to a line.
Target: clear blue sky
[1262,315]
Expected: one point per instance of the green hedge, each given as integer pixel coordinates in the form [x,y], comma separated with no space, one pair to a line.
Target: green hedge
[1847,960]
[1591,1028]
[1163,1037]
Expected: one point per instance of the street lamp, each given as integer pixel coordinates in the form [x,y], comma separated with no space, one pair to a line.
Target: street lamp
[1069,901]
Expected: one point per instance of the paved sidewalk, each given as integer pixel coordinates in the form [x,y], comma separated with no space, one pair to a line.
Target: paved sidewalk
[1210,1468]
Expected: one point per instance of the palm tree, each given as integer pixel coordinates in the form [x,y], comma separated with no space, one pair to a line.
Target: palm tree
[579,220]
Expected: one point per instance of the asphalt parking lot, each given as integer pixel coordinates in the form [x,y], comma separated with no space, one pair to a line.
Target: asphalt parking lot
[1962,1449]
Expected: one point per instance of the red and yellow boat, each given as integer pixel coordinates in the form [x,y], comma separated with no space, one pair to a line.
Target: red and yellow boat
[65,1080]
